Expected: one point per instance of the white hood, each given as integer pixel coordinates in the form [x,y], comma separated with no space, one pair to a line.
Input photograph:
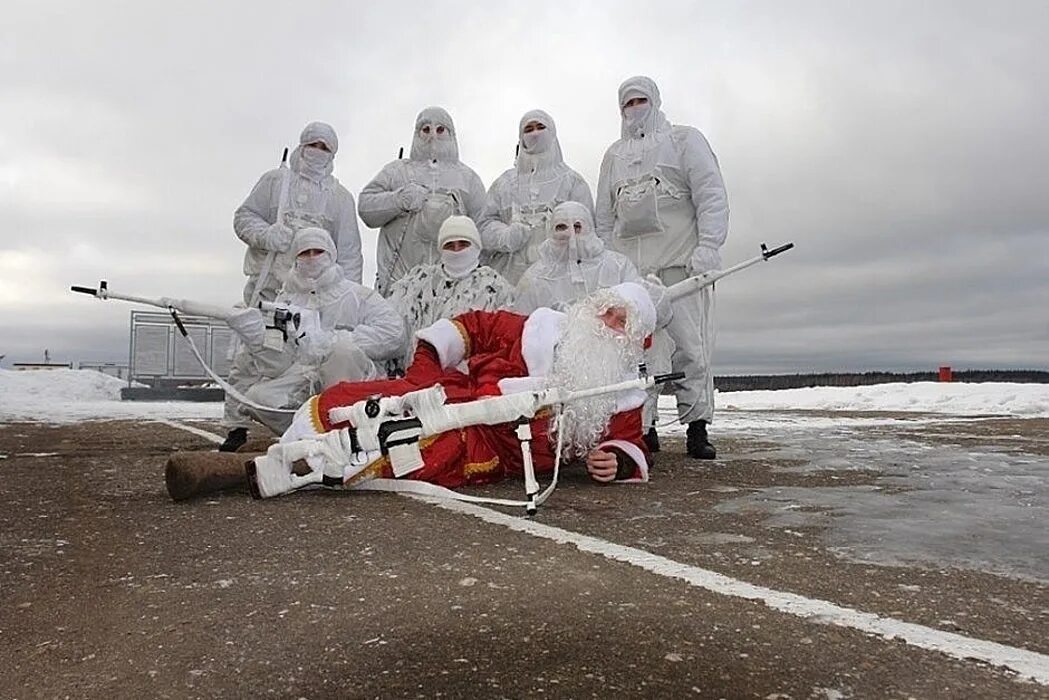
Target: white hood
[315,131]
[443,148]
[655,121]
[548,158]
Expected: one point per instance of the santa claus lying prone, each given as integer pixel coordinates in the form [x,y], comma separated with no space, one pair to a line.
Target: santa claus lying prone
[460,404]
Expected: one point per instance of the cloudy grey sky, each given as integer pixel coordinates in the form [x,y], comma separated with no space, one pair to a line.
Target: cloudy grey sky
[902,146]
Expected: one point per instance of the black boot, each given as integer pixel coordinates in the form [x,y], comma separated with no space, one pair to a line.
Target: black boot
[235,439]
[652,440]
[696,442]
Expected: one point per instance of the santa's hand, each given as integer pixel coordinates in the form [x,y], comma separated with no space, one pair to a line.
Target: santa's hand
[602,465]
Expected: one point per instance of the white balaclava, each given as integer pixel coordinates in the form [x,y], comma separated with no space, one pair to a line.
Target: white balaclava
[313,272]
[640,120]
[313,163]
[459,263]
[569,246]
[539,149]
[431,145]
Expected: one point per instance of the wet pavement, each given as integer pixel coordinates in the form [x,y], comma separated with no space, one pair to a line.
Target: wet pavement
[963,493]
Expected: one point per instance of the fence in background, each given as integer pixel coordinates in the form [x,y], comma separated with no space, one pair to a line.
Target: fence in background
[160,358]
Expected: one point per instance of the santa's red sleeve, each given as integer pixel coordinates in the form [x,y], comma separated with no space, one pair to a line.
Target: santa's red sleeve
[473,333]
[625,439]
[425,368]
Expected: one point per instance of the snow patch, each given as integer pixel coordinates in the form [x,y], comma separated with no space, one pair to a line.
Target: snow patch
[71,395]
[68,396]
[956,398]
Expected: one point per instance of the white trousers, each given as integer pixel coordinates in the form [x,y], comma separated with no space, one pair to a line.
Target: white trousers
[291,388]
[685,345]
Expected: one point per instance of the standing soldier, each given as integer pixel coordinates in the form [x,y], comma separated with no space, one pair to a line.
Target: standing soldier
[661,202]
[521,201]
[409,199]
[304,195]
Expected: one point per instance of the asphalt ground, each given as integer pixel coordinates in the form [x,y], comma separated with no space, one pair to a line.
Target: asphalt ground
[726,579]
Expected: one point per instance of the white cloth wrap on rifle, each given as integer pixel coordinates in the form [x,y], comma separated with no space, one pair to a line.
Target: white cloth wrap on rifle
[197,308]
[273,471]
[390,408]
[436,416]
[332,447]
[329,454]
[491,411]
[691,285]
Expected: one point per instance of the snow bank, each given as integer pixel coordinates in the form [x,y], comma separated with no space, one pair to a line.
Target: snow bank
[71,395]
[956,398]
[58,385]
[66,396]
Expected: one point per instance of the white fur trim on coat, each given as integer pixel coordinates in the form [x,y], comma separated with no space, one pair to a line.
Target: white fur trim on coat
[447,338]
[633,452]
[542,330]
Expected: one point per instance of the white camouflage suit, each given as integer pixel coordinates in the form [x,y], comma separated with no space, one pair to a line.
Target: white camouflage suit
[521,200]
[661,201]
[351,332]
[573,263]
[314,198]
[410,198]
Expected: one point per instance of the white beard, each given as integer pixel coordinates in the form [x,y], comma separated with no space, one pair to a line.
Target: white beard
[589,355]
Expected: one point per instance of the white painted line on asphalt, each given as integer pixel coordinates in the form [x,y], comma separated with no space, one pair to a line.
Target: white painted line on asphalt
[208,435]
[1027,664]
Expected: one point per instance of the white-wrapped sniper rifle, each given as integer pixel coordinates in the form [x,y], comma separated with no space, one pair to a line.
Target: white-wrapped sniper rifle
[394,426]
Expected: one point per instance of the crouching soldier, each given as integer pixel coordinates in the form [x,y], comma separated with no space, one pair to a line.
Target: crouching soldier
[343,332]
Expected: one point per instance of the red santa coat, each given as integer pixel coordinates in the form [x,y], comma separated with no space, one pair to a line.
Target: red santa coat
[502,352]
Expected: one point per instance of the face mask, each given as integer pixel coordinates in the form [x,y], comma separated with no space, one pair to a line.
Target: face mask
[316,159]
[460,263]
[537,141]
[634,116]
[433,145]
[312,267]
[569,231]
[434,132]
[561,235]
